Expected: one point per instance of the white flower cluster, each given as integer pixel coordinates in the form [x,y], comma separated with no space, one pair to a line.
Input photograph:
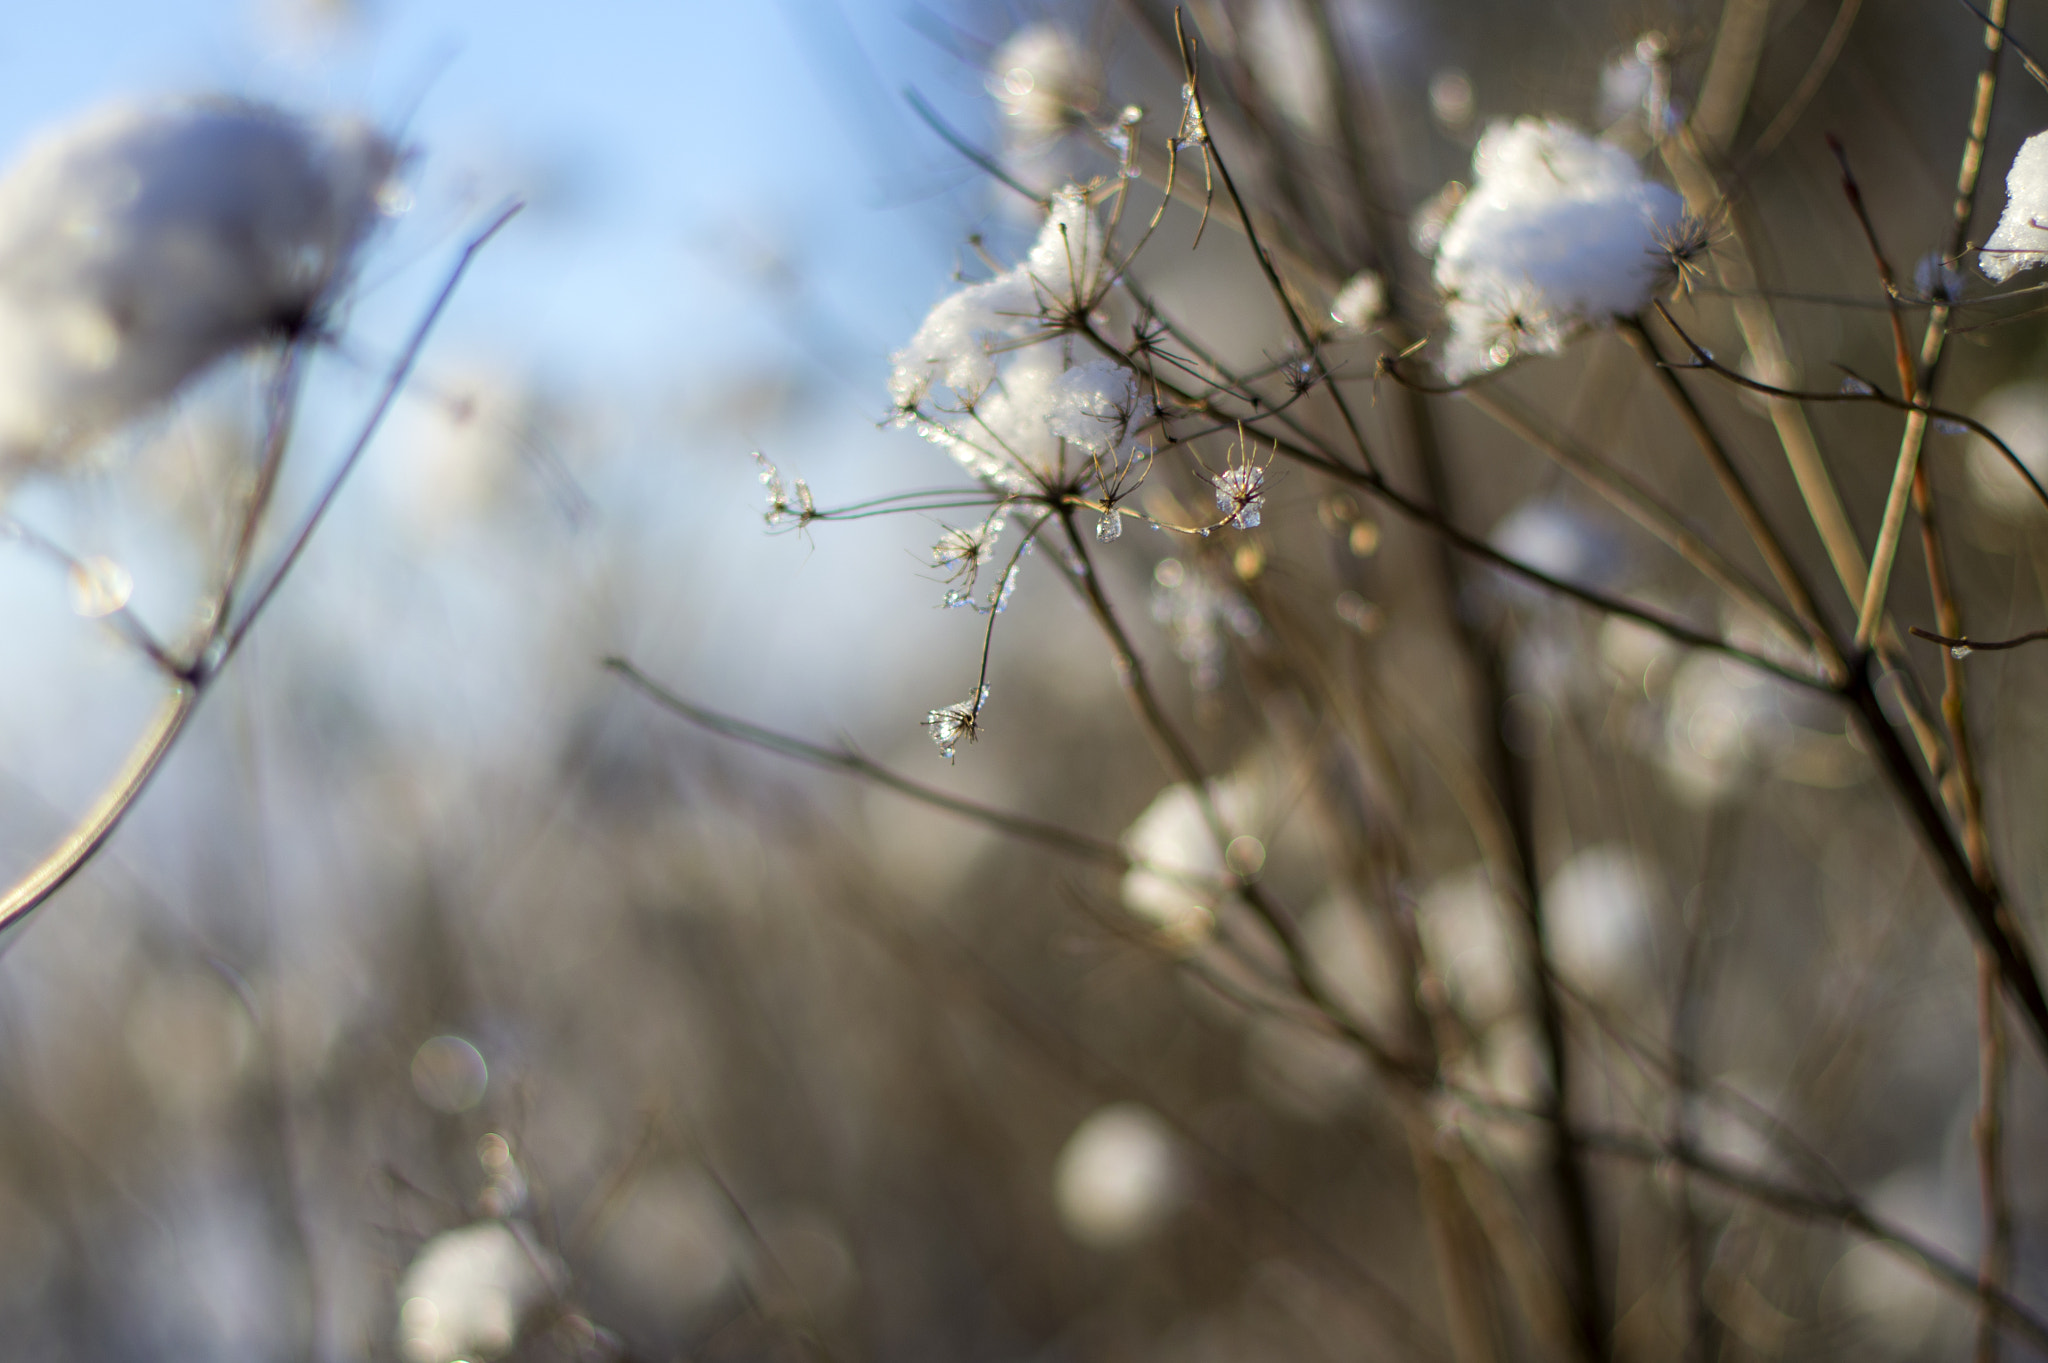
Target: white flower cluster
[1019,398]
[2021,241]
[1557,232]
[144,242]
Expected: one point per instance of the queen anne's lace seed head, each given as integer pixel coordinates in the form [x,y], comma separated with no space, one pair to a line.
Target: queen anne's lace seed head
[1240,493]
[949,724]
[962,551]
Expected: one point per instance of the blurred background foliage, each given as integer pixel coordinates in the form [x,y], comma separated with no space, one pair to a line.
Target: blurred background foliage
[432,921]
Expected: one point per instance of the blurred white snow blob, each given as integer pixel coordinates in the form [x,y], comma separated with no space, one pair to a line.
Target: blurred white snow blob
[1353,962]
[1043,80]
[1467,936]
[1558,232]
[1047,84]
[2018,412]
[143,242]
[1360,302]
[1286,55]
[1118,1178]
[468,1290]
[1597,919]
[1183,874]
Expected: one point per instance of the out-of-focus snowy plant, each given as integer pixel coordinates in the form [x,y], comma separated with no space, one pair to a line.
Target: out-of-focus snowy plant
[1286,52]
[469,1291]
[2018,412]
[1183,870]
[1360,303]
[1600,922]
[1201,613]
[1636,87]
[1119,1178]
[1557,232]
[1464,927]
[144,242]
[1047,85]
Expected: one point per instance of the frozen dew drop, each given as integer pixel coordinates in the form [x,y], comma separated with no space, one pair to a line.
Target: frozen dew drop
[1856,388]
[100,587]
[1950,426]
[1960,652]
[1110,527]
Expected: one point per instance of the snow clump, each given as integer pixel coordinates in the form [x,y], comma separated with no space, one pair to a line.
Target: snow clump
[1558,232]
[143,242]
[1017,397]
[2021,241]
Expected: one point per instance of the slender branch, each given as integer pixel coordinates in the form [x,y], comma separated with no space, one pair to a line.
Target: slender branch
[1637,503]
[1736,488]
[1936,333]
[851,763]
[1968,645]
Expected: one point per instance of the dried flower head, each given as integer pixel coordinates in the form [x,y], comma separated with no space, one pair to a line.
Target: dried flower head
[962,551]
[1684,246]
[785,506]
[951,723]
[1240,493]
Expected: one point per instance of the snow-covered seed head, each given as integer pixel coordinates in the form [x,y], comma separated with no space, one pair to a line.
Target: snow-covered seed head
[785,506]
[1240,494]
[143,242]
[962,551]
[1558,232]
[949,724]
